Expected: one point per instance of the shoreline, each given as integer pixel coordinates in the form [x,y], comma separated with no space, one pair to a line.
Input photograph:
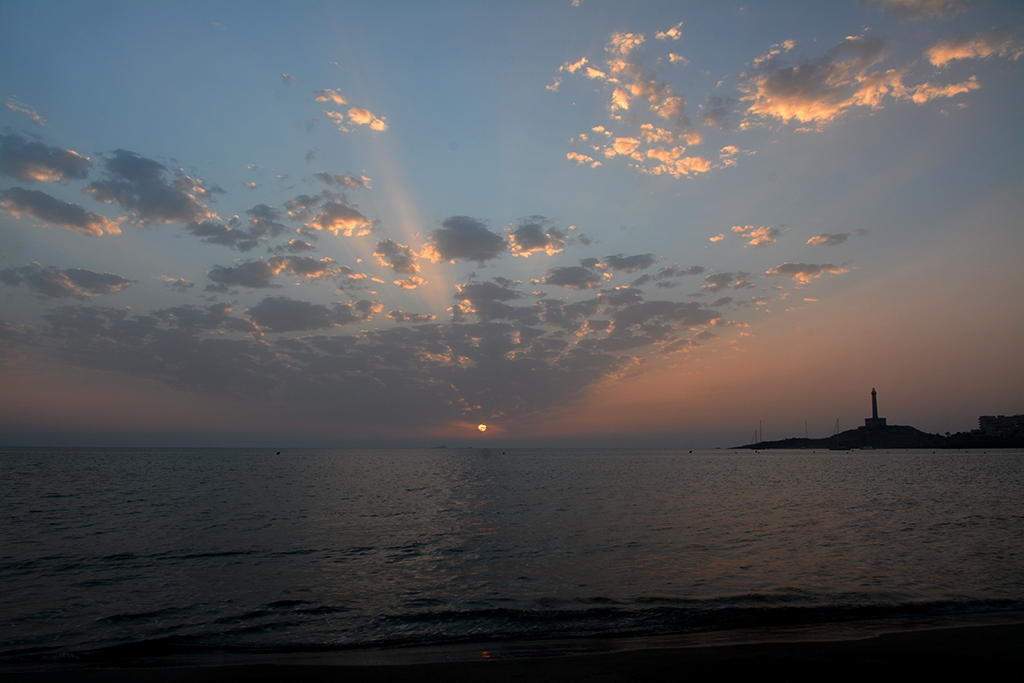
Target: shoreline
[966,642]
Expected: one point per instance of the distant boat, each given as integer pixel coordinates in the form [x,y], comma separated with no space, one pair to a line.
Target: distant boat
[834,444]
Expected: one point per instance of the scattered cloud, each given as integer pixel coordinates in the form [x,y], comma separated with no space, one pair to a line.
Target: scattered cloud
[847,77]
[673,33]
[717,110]
[401,259]
[573,277]
[717,282]
[582,159]
[49,210]
[287,79]
[178,284]
[339,217]
[259,274]
[53,283]
[364,117]
[403,317]
[329,95]
[631,86]
[662,277]
[14,104]
[462,238]
[757,237]
[716,238]
[139,185]
[825,239]
[294,246]
[281,314]
[805,272]
[994,43]
[529,236]
[213,232]
[343,180]
[34,161]
[627,264]
[263,223]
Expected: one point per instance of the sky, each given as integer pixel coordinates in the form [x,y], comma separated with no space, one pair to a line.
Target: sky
[576,223]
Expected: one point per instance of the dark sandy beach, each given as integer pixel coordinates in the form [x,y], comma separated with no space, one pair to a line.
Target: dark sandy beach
[941,651]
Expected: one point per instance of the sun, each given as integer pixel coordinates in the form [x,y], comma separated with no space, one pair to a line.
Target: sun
[482,428]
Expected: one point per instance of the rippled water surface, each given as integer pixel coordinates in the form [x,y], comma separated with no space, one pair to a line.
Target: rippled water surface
[167,551]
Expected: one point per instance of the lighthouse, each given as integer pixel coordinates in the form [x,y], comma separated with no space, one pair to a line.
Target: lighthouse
[874,421]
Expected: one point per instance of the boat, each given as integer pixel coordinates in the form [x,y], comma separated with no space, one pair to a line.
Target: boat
[834,445]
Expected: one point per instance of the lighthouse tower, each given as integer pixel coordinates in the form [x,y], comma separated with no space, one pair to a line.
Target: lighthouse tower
[874,422]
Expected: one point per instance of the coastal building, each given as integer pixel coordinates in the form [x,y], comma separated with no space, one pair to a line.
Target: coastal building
[1001,425]
[874,422]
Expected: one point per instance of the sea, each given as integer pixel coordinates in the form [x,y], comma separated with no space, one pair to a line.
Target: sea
[113,555]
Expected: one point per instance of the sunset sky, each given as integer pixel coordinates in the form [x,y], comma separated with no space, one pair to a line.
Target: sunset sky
[578,223]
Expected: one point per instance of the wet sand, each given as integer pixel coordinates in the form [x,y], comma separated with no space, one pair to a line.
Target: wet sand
[970,649]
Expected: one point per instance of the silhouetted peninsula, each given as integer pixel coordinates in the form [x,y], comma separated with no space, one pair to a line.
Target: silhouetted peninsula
[993,432]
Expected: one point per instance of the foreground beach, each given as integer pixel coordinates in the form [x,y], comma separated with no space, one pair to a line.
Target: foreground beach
[970,648]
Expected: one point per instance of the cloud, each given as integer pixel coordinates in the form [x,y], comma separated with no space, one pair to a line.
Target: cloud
[254,274]
[582,159]
[996,42]
[343,180]
[922,9]
[804,272]
[530,237]
[627,264]
[287,79]
[339,122]
[716,238]
[716,110]
[821,90]
[338,217]
[817,91]
[34,161]
[717,282]
[825,239]
[673,33]
[364,117]
[927,91]
[294,246]
[52,211]
[668,272]
[572,277]
[486,299]
[399,257]
[178,284]
[263,222]
[403,317]
[305,266]
[14,104]
[281,314]
[673,163]
[411,282]
[138,184]
[301,208]
[462,238]
[212,318]
[213,232]
[633,87]
[757,237]
[53,283]
[258,274]
[329,95]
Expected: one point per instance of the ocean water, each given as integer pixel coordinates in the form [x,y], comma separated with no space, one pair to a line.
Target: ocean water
[108,554]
